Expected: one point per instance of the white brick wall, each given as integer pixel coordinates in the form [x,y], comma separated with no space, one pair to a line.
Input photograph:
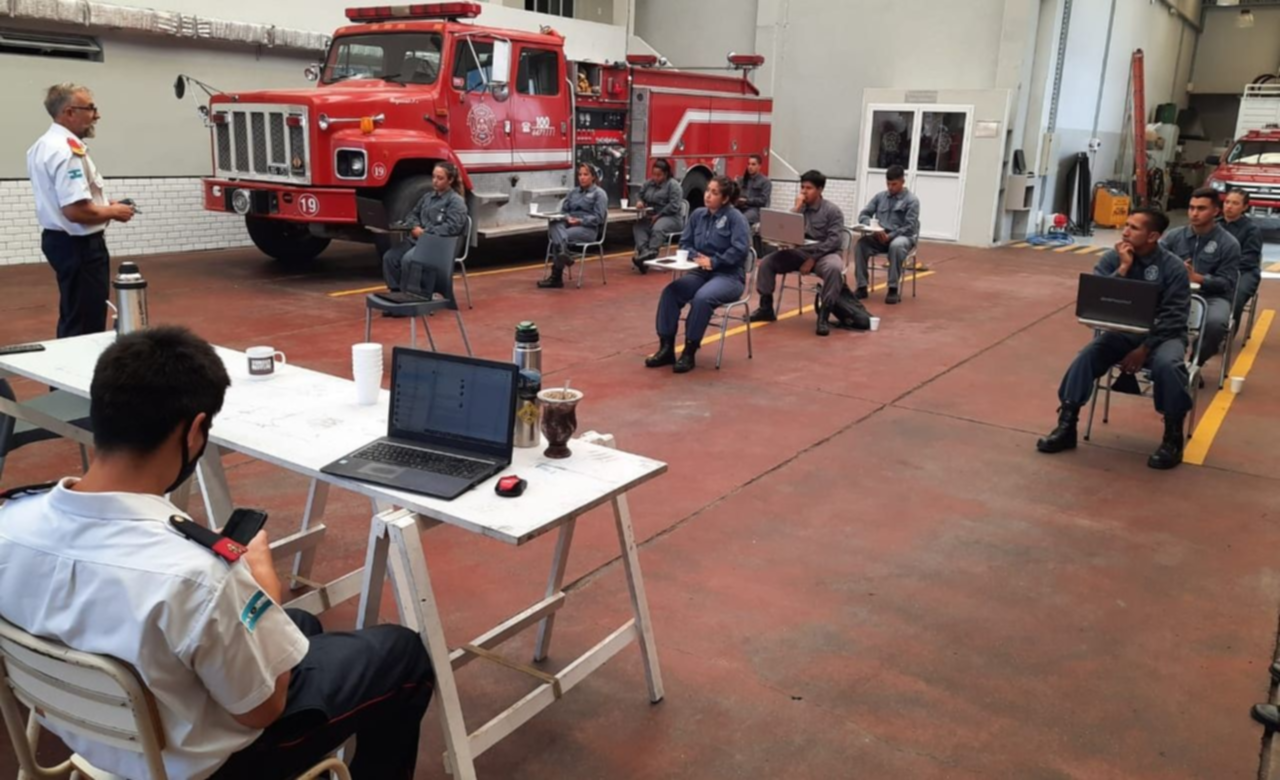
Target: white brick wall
[173,220]
[842,192]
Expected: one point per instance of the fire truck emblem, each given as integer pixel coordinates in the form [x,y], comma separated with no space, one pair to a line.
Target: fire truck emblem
[309,204]
[379,171]
[483,122]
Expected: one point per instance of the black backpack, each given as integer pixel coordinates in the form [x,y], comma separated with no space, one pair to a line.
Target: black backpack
[848,311]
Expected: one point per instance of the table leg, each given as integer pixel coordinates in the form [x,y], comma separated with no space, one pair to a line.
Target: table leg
[555,582]
[375,573]
[317,501]
[406,546]
[213,487]
[639,601]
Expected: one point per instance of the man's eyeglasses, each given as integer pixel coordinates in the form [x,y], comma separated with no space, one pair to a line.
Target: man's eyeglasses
[90,108]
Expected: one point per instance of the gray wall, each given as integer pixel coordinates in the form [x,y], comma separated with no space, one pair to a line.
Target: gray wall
[1230,57]
[719,27]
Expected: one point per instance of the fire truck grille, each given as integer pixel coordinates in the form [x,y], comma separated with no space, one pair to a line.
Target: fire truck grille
[223,134]
[242,142]
[259,123]
[262,142]
[1269,192]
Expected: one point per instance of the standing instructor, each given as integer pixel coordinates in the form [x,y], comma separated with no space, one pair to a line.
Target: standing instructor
[73,210]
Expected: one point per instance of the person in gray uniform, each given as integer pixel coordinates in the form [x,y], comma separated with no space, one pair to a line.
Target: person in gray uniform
[824,226]
[1247,233]
[1212,257]
[718,240]
[897,211]
[585,209]
[1162,350]
[661,199]
[757,190]
[440,212]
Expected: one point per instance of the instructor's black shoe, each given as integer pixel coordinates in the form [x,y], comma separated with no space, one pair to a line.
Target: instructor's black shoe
[892,296]
[764,312]
[1169,453]
[665,356]
[860,293]
[824,322]
[686,362]
[1062,437]
[1266,714]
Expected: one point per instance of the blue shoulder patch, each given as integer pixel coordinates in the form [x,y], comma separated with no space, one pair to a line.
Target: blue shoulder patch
[254,609]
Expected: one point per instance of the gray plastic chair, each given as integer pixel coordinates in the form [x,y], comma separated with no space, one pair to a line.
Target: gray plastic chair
[62,406]
[417,302]
[461,261]
[1195,338]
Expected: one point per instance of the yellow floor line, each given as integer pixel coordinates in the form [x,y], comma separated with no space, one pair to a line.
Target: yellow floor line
[1273,267]
[1207,428]
[474,274]
[1020,245]
[1042,247]
[715,337]
[1067,248]
[1084,250]
[1102,250]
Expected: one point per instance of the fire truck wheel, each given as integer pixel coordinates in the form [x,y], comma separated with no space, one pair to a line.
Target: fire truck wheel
[288,242]
[694,185]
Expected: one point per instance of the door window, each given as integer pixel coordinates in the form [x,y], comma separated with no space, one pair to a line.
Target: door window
[941,141]
[890,139]
[538,73]
[472,65]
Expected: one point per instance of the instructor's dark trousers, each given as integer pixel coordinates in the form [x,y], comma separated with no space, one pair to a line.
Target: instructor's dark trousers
[83,268]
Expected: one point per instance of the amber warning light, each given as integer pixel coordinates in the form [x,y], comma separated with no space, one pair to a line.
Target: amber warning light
[387,13]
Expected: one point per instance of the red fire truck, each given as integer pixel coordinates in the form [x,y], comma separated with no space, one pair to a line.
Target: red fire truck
[406,86]
[1252,163]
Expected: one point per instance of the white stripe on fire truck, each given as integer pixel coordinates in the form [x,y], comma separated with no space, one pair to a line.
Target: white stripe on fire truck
[520,157]
[702,117]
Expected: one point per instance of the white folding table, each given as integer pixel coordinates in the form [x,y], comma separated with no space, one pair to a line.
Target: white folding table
[301,420]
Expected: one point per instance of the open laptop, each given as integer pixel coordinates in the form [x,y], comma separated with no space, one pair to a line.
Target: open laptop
[450,426]
[1117,303]
[782,227]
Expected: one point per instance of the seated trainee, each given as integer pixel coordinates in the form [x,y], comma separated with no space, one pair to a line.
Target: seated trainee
[440,212]
[660,199]
[585,209]
[1139,255]
[717,238]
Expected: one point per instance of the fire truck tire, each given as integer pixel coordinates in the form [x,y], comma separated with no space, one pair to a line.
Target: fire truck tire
[288,242]
[694,185]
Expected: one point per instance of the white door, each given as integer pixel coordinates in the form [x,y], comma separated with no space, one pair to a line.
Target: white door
[931,143]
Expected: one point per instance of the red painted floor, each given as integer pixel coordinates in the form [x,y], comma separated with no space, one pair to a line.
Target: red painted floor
[858,565]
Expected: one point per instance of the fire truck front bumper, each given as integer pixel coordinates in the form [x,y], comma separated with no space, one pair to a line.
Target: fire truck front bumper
[275,201]
[1265,215]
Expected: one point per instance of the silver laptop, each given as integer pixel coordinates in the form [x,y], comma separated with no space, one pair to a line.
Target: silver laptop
[782,227]
[450,427]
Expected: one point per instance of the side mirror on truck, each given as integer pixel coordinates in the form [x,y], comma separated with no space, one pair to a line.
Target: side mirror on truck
[1213,159]
[312,72]
[500,64]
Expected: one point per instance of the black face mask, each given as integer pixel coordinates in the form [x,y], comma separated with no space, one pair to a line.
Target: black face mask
[189,466]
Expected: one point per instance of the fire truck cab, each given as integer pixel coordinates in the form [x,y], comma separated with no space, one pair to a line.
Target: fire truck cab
[405,87]
[1252,163]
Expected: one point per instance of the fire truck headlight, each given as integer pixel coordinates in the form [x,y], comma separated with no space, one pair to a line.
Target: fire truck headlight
[323,122]
[1220,186]
[216,191]
[241,202]
[350,163]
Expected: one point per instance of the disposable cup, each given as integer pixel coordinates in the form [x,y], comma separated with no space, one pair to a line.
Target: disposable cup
[682,255]
[366,370]
[1237,384]
[875,323]
[533,208]
[624,203]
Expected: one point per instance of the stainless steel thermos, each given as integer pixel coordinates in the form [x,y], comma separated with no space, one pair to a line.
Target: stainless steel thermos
[131,299]
[528,357]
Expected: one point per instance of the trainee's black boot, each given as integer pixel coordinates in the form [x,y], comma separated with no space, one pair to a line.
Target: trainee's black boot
[860,293]
[666,354]
[1169,453]
[824,320]
[764,312]
[555,280]
[686,362]
[1062,437]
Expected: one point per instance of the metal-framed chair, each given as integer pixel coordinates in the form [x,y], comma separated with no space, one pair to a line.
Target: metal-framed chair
[723,314]
[417,303]
[58,405]
[1195,338]
[1229,338]
[1250,306]
[673,239]
[581,249]
[909,263]
[92,696]
[461,260]
[802,289]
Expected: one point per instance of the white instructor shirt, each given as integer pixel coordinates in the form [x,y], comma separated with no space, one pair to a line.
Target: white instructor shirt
[106,573]
[61,173]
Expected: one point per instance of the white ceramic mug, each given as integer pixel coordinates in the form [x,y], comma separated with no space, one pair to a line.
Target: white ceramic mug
[262,361]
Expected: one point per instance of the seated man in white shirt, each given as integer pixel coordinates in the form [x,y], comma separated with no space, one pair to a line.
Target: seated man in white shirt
[242,687]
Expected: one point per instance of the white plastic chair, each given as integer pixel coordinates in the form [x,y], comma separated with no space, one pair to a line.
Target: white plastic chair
[1195,337]
[92,696]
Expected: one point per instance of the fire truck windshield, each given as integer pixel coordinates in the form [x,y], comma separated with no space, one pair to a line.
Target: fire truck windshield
[407,58]
[1255,153]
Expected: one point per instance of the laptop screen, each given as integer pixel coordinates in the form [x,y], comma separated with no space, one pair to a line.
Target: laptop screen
[452,401]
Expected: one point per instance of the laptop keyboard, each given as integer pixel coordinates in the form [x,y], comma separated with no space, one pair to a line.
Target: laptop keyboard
[424,460]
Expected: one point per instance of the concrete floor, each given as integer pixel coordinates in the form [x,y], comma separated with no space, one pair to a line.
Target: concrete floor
[858,565]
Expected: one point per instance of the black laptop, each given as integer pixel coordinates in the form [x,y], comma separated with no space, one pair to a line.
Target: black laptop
[1114,300]
[450,426]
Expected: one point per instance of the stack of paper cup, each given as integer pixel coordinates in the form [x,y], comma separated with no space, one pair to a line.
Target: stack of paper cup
[366,370]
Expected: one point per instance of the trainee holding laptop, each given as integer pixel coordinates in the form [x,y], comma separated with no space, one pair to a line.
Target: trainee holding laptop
[1162,349]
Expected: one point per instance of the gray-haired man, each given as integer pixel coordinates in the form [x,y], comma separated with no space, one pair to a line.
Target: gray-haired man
[73,210]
